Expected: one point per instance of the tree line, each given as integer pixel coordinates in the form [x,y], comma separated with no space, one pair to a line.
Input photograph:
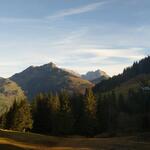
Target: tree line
[88,114]
[138,68]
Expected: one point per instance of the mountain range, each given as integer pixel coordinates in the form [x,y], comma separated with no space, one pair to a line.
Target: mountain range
[50,78]
[41,79]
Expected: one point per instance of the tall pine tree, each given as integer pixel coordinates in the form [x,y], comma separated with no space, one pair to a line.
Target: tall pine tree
[65,115]
[89,116]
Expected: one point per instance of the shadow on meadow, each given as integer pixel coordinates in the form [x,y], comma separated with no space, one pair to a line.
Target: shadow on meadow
[10,147]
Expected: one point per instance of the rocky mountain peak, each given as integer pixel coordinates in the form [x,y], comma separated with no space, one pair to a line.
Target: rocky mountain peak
[49,65]
[95,76]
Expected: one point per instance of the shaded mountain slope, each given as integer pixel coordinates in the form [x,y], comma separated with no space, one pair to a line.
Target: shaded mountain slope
[138,68]
[49,78]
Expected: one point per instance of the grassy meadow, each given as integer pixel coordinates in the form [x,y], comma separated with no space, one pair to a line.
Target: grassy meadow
[10,140]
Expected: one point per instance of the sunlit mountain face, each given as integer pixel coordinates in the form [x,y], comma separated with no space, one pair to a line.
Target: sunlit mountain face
[49,78]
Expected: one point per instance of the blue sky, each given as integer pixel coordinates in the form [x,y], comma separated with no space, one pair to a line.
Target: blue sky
[81,35]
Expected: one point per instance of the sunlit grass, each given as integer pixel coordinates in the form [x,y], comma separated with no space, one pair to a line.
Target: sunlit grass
[11,140]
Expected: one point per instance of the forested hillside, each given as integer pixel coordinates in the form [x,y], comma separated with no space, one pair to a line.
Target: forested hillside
[120,105]
[9,91]
[138,68]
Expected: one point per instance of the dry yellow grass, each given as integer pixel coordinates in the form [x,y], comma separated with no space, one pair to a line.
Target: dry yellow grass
[10,140]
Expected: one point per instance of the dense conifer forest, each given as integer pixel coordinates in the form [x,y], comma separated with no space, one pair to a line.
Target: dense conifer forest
[102,109]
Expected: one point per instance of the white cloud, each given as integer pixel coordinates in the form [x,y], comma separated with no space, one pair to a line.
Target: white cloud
[76,49]
[78,10]
[131,53]
[113,61]
[63,13]
[80,60]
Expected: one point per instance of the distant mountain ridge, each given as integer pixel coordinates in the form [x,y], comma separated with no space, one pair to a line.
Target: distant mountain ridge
[95,76]
[49,78]
[72,72]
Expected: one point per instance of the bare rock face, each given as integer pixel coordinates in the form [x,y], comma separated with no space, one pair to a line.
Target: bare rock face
[95,76]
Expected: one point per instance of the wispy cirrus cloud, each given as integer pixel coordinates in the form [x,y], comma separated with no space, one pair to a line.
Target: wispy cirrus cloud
[77,10]
[130,53]
[60,14]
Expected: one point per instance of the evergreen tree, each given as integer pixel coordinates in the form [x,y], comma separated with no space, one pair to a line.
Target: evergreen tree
[19,117]
[121,103]
[89,116]
[55,110]
[3,121]
[77,104]
[22,120]
[102,113]
[42,113]
[112,112]
[99,114]
[65,115]
[10,115]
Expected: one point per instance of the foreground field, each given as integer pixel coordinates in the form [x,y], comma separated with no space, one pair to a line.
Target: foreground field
[10,140]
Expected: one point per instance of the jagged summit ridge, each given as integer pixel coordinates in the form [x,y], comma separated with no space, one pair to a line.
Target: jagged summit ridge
[94,75]
[49,78]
